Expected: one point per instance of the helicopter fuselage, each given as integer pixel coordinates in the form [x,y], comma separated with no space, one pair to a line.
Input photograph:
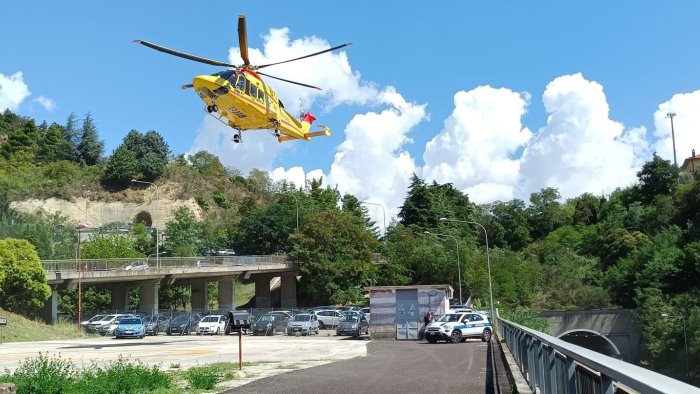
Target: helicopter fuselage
[247,103]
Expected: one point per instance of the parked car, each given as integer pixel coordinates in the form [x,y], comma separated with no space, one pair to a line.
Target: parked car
[269,324]
[155,324]
[286,314]
[457,327]
[85,323]
[328,318]
[212,325]
[225,252]
[183,324]
[303,324]
[366,312]
[238,321]
[130,326]
[96,324]
[135,266]
[353,324]
[107,330]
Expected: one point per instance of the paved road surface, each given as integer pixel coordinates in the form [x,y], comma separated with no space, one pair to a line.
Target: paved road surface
[392,367]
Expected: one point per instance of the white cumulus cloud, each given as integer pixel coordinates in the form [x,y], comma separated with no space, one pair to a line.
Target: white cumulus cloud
[476,147]
[580,149]
[45,102]
[686,125]
[13,90]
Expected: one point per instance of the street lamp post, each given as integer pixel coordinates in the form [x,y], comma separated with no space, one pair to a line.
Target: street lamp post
[157,206]
[685,339]
[77,263]
[459,267]
[488,258]
[670,115]
[383,214]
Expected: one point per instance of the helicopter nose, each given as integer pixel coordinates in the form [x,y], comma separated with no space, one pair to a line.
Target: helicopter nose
[209,83]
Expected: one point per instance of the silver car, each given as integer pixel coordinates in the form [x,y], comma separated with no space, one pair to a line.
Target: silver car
[303,324]
[353,324]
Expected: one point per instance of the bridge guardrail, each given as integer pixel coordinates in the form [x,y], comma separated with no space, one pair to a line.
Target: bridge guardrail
[552,365]
[163,262]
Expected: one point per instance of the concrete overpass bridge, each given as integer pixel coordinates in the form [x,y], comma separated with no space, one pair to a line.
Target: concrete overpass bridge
[193,271]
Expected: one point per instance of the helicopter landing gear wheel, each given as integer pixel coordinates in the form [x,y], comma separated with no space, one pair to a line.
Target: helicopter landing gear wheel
[214,108]
[209,109]
[237,138]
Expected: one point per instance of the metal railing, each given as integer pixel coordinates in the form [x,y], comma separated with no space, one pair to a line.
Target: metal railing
[552,365]
[165,262]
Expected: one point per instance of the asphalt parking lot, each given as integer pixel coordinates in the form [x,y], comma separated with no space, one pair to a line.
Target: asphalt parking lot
[275,355]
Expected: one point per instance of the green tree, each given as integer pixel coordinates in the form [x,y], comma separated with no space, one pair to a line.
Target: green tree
[23,287]
[546,212]
[67,148]
[90,147]
[184,234]
[207,164]
[109,246]
[121,168]
[657,177]
[335,250]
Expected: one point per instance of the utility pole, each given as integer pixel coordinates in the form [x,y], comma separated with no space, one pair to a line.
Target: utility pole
[670,115]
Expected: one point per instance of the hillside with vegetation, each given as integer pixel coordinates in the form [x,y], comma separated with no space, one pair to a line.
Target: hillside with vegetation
[636,248]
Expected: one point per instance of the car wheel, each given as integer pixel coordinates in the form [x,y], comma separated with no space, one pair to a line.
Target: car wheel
[218,331]
[456,336]
[169,332]
[486,336]
[274,331]
[321,325]
[431,340]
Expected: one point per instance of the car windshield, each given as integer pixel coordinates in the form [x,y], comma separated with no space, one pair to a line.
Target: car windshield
[266,318]
[302,317]
[450,317]
[349,317]
[97,318]
[108,318]
[210,319]
[181,319]
[130,320]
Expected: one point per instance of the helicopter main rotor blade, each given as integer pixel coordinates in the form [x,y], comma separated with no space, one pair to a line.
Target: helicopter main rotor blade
[286,80]
[304,57]
[183,54]
[243,39]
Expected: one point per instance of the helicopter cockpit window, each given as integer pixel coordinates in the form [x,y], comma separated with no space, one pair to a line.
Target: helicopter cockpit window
[253,91]
[228,74]
[261,96]
[240,82]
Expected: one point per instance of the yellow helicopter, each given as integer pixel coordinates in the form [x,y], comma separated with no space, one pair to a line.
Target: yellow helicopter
[242,100]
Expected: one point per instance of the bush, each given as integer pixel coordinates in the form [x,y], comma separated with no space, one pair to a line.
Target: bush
[42,375]
[122,376]
[203,378]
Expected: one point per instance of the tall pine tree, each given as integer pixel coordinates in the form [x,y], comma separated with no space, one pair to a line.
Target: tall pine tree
[90,147]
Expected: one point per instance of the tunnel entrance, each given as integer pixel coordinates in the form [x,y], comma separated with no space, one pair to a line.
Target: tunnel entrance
[145,218]
[592,340]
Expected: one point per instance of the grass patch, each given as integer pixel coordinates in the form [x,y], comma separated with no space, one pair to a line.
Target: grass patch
[244,292]
[21,329]
[53,375]
[203,378]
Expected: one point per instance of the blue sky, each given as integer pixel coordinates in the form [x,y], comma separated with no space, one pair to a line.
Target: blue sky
[500,98]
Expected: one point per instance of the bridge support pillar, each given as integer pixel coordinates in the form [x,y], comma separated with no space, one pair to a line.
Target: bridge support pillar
[120,297]
[262,291]
[289,291]
[200,299]
[227,294]
[50,310]
[149,297]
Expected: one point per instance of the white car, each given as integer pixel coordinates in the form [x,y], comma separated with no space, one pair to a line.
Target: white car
[457,327]
[212,325]
[303,324]
[328,318]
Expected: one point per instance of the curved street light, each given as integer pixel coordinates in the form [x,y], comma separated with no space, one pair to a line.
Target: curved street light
[488,259]
[459,268]
[685,338]
[383,214]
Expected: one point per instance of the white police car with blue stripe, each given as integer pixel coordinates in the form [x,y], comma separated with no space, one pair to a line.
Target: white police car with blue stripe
[457,327]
